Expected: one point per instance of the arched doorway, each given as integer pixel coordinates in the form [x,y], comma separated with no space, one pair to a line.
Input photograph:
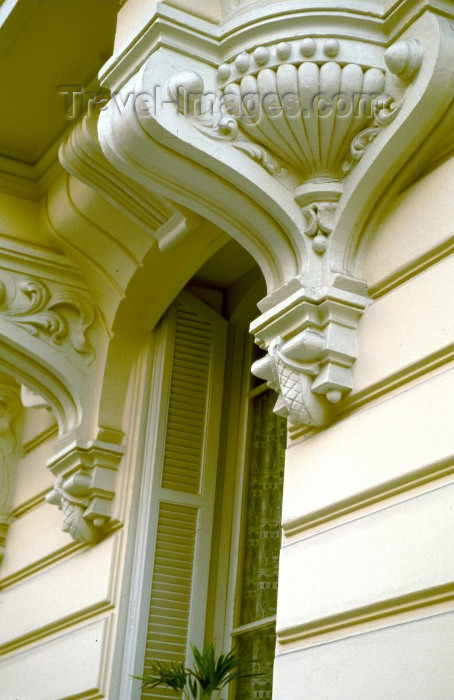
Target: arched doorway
[208,533]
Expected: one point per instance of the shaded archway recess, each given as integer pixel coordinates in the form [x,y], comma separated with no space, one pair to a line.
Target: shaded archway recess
[132,279]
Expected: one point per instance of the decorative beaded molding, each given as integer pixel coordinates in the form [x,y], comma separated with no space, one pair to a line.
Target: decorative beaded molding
[295,85]
[85,487]
[41,312]
[10,406]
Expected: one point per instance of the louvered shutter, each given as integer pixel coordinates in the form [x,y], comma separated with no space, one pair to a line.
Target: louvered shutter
[190,364]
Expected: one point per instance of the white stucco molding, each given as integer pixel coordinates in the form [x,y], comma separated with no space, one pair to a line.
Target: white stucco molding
[118,236]
[81,155]
[171,27]
[10,407]
[311,341]
[31,305]
[86,214]
[81,216]
[53,342]
[293,180]
[85,487]
[50,330]
[30,399]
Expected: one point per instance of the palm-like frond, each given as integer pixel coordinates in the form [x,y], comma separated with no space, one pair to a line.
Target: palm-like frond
[213,674]
[173,675]
[208,675]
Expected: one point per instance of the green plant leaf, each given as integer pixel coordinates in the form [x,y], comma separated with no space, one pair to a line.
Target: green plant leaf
[173,675]
[212,674]
[209,674]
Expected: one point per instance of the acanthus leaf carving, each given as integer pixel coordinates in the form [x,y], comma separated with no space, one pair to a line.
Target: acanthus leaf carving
[385,111]
[85,487]
[226,129]
[33,307]
[260,155]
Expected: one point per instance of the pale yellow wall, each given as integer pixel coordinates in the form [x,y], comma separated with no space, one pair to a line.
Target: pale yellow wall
[55,593]
[19,220]
[134,12]
[368,501]
[425,212]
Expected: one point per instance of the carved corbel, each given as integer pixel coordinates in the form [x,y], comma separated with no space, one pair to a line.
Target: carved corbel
[85,487]
[304,137]
[305,108]
[10,407]
[310,335]
[81,155]
[311,369]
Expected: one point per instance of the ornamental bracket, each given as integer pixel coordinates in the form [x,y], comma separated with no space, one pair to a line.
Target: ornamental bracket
[288,144]
[311,370]
[306,111]
[85,487]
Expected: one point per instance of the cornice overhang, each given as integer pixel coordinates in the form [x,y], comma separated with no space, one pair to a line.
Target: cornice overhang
[295,188]
[29,181]
[172,28]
